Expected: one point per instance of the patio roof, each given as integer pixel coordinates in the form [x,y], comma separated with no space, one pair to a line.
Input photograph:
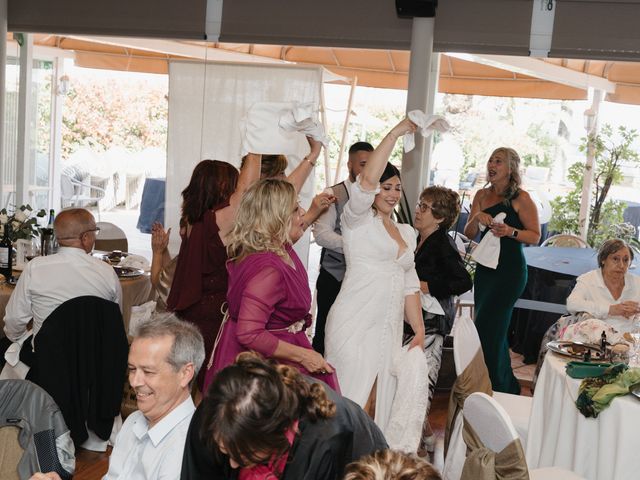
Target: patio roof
[459,73]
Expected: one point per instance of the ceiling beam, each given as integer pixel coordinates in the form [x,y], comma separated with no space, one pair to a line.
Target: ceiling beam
[173,47]
[540,69]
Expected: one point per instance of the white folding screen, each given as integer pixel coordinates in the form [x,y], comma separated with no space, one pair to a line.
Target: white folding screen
[206,104]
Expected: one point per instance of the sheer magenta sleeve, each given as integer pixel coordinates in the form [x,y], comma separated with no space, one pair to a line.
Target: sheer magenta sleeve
[259,300]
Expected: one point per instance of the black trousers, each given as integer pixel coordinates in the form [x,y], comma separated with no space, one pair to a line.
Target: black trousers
[328,288]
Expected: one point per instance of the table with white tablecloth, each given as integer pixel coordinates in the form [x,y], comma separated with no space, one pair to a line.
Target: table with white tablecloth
[135,291]
[603,448]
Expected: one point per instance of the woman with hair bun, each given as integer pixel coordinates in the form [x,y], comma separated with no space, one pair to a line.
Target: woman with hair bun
[496,291]
[265,421]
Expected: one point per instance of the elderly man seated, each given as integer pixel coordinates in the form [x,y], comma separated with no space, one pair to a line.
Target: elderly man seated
[164,359]
[48,282]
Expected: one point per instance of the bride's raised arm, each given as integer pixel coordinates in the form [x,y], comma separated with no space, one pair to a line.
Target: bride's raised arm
[370,175]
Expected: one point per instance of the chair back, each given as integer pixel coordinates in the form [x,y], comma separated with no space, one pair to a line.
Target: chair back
[80,359]
[466,342]
[10,452]
[111,238]
[29,417]
[565,240]
[67,189]
[490,421]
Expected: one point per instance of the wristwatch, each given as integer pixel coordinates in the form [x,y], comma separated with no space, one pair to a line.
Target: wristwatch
[514,234]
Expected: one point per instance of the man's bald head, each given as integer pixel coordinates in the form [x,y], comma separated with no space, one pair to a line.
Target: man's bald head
[70,226]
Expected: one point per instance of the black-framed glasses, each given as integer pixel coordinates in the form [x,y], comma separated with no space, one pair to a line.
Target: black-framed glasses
[423,207]
[96,230]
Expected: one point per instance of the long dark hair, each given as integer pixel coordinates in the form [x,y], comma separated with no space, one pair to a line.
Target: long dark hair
[251,404]
[212,183]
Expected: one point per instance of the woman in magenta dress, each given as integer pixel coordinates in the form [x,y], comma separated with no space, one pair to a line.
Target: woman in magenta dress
[209,206]
[268,296]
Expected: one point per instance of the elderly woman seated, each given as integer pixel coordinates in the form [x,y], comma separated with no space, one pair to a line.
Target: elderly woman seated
[608,293]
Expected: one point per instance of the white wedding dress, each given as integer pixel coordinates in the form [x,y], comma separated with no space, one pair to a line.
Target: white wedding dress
[364,326]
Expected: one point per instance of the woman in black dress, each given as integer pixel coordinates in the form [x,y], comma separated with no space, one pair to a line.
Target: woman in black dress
[442,277]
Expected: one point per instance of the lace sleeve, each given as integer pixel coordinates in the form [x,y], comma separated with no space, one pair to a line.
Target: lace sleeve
[359,205]
[259,300]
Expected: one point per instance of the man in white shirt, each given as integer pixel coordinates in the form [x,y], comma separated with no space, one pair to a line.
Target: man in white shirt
[164,359]
[328,235]
[49,281]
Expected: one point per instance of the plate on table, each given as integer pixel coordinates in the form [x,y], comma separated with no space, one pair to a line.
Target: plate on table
[128,272]
[576,350]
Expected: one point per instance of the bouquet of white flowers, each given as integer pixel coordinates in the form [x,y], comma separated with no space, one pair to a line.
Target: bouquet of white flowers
[23,224]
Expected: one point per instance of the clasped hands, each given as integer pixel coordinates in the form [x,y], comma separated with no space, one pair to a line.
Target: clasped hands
[498,229]
[625,309]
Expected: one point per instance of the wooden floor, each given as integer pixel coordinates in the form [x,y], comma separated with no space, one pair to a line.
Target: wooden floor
[93,466]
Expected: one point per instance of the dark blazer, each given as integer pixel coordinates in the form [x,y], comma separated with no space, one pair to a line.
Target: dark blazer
[80,359]
[321,451]
[439,264]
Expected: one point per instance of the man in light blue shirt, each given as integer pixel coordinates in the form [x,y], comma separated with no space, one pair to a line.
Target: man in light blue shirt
[164,360]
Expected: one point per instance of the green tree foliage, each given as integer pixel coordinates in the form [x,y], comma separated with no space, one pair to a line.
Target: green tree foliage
[101,113]
[612,149]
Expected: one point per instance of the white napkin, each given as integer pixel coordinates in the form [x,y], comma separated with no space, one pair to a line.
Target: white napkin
[404,428]
[135,261]
[430,304]
[301,118]
[427,125]
[139,314]
[14,369]
[261,131]
[487,252]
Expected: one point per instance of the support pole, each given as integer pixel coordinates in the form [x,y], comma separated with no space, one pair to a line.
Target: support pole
[422,86]
[3,89]
[24,120]
[591,120]
[323,117]
[345,129]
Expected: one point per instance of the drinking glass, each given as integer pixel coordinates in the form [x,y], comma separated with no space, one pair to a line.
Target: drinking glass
[634,354]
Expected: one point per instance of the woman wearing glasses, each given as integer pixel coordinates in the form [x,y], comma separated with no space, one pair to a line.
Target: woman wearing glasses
[442,276]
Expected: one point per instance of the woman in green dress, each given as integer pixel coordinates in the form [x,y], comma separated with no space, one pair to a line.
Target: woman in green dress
[496,291]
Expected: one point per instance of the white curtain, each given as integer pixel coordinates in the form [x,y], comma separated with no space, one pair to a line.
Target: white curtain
[206,104]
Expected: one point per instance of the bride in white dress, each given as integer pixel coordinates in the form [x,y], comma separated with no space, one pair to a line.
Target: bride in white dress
[380,287]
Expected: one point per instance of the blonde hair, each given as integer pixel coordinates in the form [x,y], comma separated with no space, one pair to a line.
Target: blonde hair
[263,219]
[391,465]
[513,187]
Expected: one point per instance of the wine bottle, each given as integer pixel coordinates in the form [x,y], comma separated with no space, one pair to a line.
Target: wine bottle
[52,216]
[6,253]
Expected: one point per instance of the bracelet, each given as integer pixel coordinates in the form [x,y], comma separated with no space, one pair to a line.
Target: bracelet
[310,162]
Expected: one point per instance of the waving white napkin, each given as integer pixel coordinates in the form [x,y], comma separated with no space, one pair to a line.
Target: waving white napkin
[487,252]
[275,127]
[430,304]
[302,118]
[427,124]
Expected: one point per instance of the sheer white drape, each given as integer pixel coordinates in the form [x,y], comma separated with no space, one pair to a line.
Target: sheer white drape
[206,104]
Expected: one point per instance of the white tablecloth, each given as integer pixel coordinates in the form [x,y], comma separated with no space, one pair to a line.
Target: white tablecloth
[603,448]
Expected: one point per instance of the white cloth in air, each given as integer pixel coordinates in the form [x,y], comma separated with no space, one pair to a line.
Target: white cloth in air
[427,124]
[487,252]
[276,127]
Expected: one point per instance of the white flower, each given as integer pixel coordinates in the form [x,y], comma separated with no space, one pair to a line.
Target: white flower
[4,218]
[21,216]
[15,225]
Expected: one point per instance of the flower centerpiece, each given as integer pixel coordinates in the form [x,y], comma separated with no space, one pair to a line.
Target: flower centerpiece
[23,224]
